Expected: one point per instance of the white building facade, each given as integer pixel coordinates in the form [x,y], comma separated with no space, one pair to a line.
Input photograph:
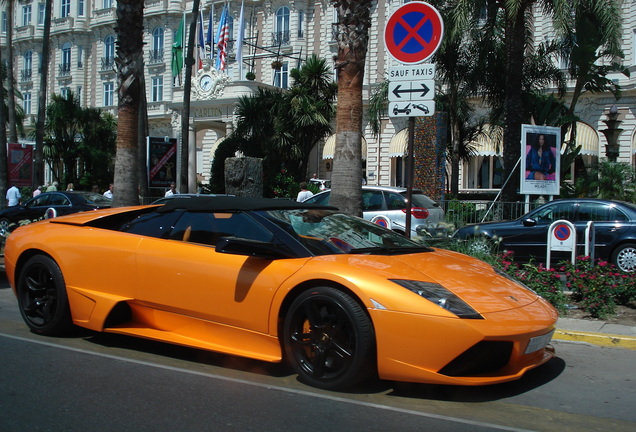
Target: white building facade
[83,44]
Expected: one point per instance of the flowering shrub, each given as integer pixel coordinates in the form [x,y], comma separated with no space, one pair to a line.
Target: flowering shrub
[283,185]
[545,282]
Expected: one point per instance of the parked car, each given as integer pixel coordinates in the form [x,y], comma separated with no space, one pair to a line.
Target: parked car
[321,183]
[614,223]
[56,203]
[340,298]
[386,206]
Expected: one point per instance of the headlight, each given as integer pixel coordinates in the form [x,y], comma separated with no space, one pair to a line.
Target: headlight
[437,294]
[510,278]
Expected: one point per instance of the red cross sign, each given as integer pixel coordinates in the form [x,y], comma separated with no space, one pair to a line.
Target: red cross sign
[414,32]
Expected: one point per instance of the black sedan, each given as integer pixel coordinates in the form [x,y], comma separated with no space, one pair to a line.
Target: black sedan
[49,204]
[614,223]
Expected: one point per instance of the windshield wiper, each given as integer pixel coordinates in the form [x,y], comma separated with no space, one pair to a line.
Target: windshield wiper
[394,250]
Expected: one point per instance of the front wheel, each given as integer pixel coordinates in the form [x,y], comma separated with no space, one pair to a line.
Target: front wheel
[625,257]
[329,339]
[4,225]
[42,297]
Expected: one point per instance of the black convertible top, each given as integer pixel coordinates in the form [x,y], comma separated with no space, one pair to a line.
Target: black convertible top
[231,203]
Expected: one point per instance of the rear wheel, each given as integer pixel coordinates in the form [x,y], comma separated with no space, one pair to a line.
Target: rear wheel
[4,225]
[42,297]
[625,257]
[329,339]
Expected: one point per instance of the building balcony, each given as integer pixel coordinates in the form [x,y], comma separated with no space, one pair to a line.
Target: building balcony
[155,56]
[62,25]
[64,70]
[280,38]
[104,17]
[23,32]
[107,63]
[26,75]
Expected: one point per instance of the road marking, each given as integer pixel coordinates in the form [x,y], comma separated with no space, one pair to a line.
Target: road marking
[273,387]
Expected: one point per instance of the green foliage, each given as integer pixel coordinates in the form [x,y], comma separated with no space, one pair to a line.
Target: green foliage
[610,180]
[283,185]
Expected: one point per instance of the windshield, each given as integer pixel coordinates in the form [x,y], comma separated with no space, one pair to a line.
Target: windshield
[325,232]
[95,198]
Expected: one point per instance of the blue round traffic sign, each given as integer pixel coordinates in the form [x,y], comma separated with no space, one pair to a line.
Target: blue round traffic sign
[414,32]
[562,232]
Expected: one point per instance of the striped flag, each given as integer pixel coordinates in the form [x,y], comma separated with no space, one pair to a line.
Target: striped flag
[222,37]
[200,42]
[208,40]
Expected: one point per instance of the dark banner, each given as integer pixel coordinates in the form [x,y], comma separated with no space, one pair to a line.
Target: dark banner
[20,164]
[162,161]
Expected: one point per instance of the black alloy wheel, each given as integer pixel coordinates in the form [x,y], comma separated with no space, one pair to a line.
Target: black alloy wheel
[329,339]
[42,297]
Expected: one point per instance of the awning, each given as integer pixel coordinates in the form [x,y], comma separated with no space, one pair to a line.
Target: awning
[399,145]
[489,142]
[330,148]
[586,137]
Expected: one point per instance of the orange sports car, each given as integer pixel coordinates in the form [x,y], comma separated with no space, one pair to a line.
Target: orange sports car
[336,296]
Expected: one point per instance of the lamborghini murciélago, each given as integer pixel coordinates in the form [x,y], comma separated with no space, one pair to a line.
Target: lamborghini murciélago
[340,298]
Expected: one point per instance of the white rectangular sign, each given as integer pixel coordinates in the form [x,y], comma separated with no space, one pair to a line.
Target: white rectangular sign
[411,109]
[411,91]
[418,72]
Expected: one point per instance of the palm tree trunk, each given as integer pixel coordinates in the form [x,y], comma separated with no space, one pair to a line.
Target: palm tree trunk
[129,62]
[38,163]
[4,164]
[353,38]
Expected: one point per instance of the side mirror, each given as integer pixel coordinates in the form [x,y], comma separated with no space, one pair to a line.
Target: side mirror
[529,222]
[253,248]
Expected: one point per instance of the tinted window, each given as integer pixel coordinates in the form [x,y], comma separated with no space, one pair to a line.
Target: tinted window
[598,212]
[39,201]
[59,200]
[555,212]
[372,200]
[395,201]
[421,200]
[209,228]
[322,199]
[152,225]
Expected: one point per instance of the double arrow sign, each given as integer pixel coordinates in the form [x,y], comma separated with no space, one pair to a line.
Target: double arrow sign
[411,90]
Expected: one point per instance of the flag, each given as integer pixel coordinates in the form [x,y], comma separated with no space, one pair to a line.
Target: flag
[177,49]
[209,41]
[222,37]
[200,42]
[239,42]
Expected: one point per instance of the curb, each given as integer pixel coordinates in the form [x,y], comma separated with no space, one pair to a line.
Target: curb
[601,339]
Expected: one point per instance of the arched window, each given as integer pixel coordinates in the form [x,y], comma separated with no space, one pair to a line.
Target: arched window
[66,58]
[156,54]
[281,30]
[108,61]
[28,65]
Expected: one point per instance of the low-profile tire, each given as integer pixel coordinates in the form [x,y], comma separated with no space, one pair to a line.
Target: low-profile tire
[4,225]
[329,339]
[42,297]
[624,257]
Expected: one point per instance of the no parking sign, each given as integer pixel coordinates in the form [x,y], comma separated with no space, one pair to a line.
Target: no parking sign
[561,237]
[414,32]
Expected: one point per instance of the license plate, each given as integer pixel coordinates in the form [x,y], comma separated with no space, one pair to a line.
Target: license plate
[539,342]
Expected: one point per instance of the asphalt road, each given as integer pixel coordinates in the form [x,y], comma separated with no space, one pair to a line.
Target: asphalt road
[100,382]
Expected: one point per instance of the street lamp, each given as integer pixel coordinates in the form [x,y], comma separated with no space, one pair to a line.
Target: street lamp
[612,133]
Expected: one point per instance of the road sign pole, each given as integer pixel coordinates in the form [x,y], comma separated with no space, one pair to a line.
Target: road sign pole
[410,175]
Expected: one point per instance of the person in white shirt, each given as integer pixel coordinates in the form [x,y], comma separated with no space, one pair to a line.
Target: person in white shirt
[109,192]
[304,193]
[13,196]
[172,190]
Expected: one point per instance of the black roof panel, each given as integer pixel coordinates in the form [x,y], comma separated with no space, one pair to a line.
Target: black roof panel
[230,203]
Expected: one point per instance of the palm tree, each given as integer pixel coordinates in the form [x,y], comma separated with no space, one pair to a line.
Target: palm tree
[514,17]
[63,125]
[308,112]
[354,20]
[38,163]
[129,60]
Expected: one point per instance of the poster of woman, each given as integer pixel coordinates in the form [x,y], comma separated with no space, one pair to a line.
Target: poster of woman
[540,162]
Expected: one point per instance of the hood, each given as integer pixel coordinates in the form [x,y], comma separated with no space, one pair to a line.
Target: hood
[472,280]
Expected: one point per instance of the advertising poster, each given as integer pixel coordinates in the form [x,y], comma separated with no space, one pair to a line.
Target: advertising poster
[540,161]
[162,161]
[20,164]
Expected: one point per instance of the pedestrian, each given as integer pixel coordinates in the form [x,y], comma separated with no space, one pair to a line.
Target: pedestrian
[37,191]
[95,189]
[109,192]
[304,193]
[52,188]
[69,187]
[172,190]
[13,196]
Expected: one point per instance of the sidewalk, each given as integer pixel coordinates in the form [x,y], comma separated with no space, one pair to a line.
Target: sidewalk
[577,330]
[596,332]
